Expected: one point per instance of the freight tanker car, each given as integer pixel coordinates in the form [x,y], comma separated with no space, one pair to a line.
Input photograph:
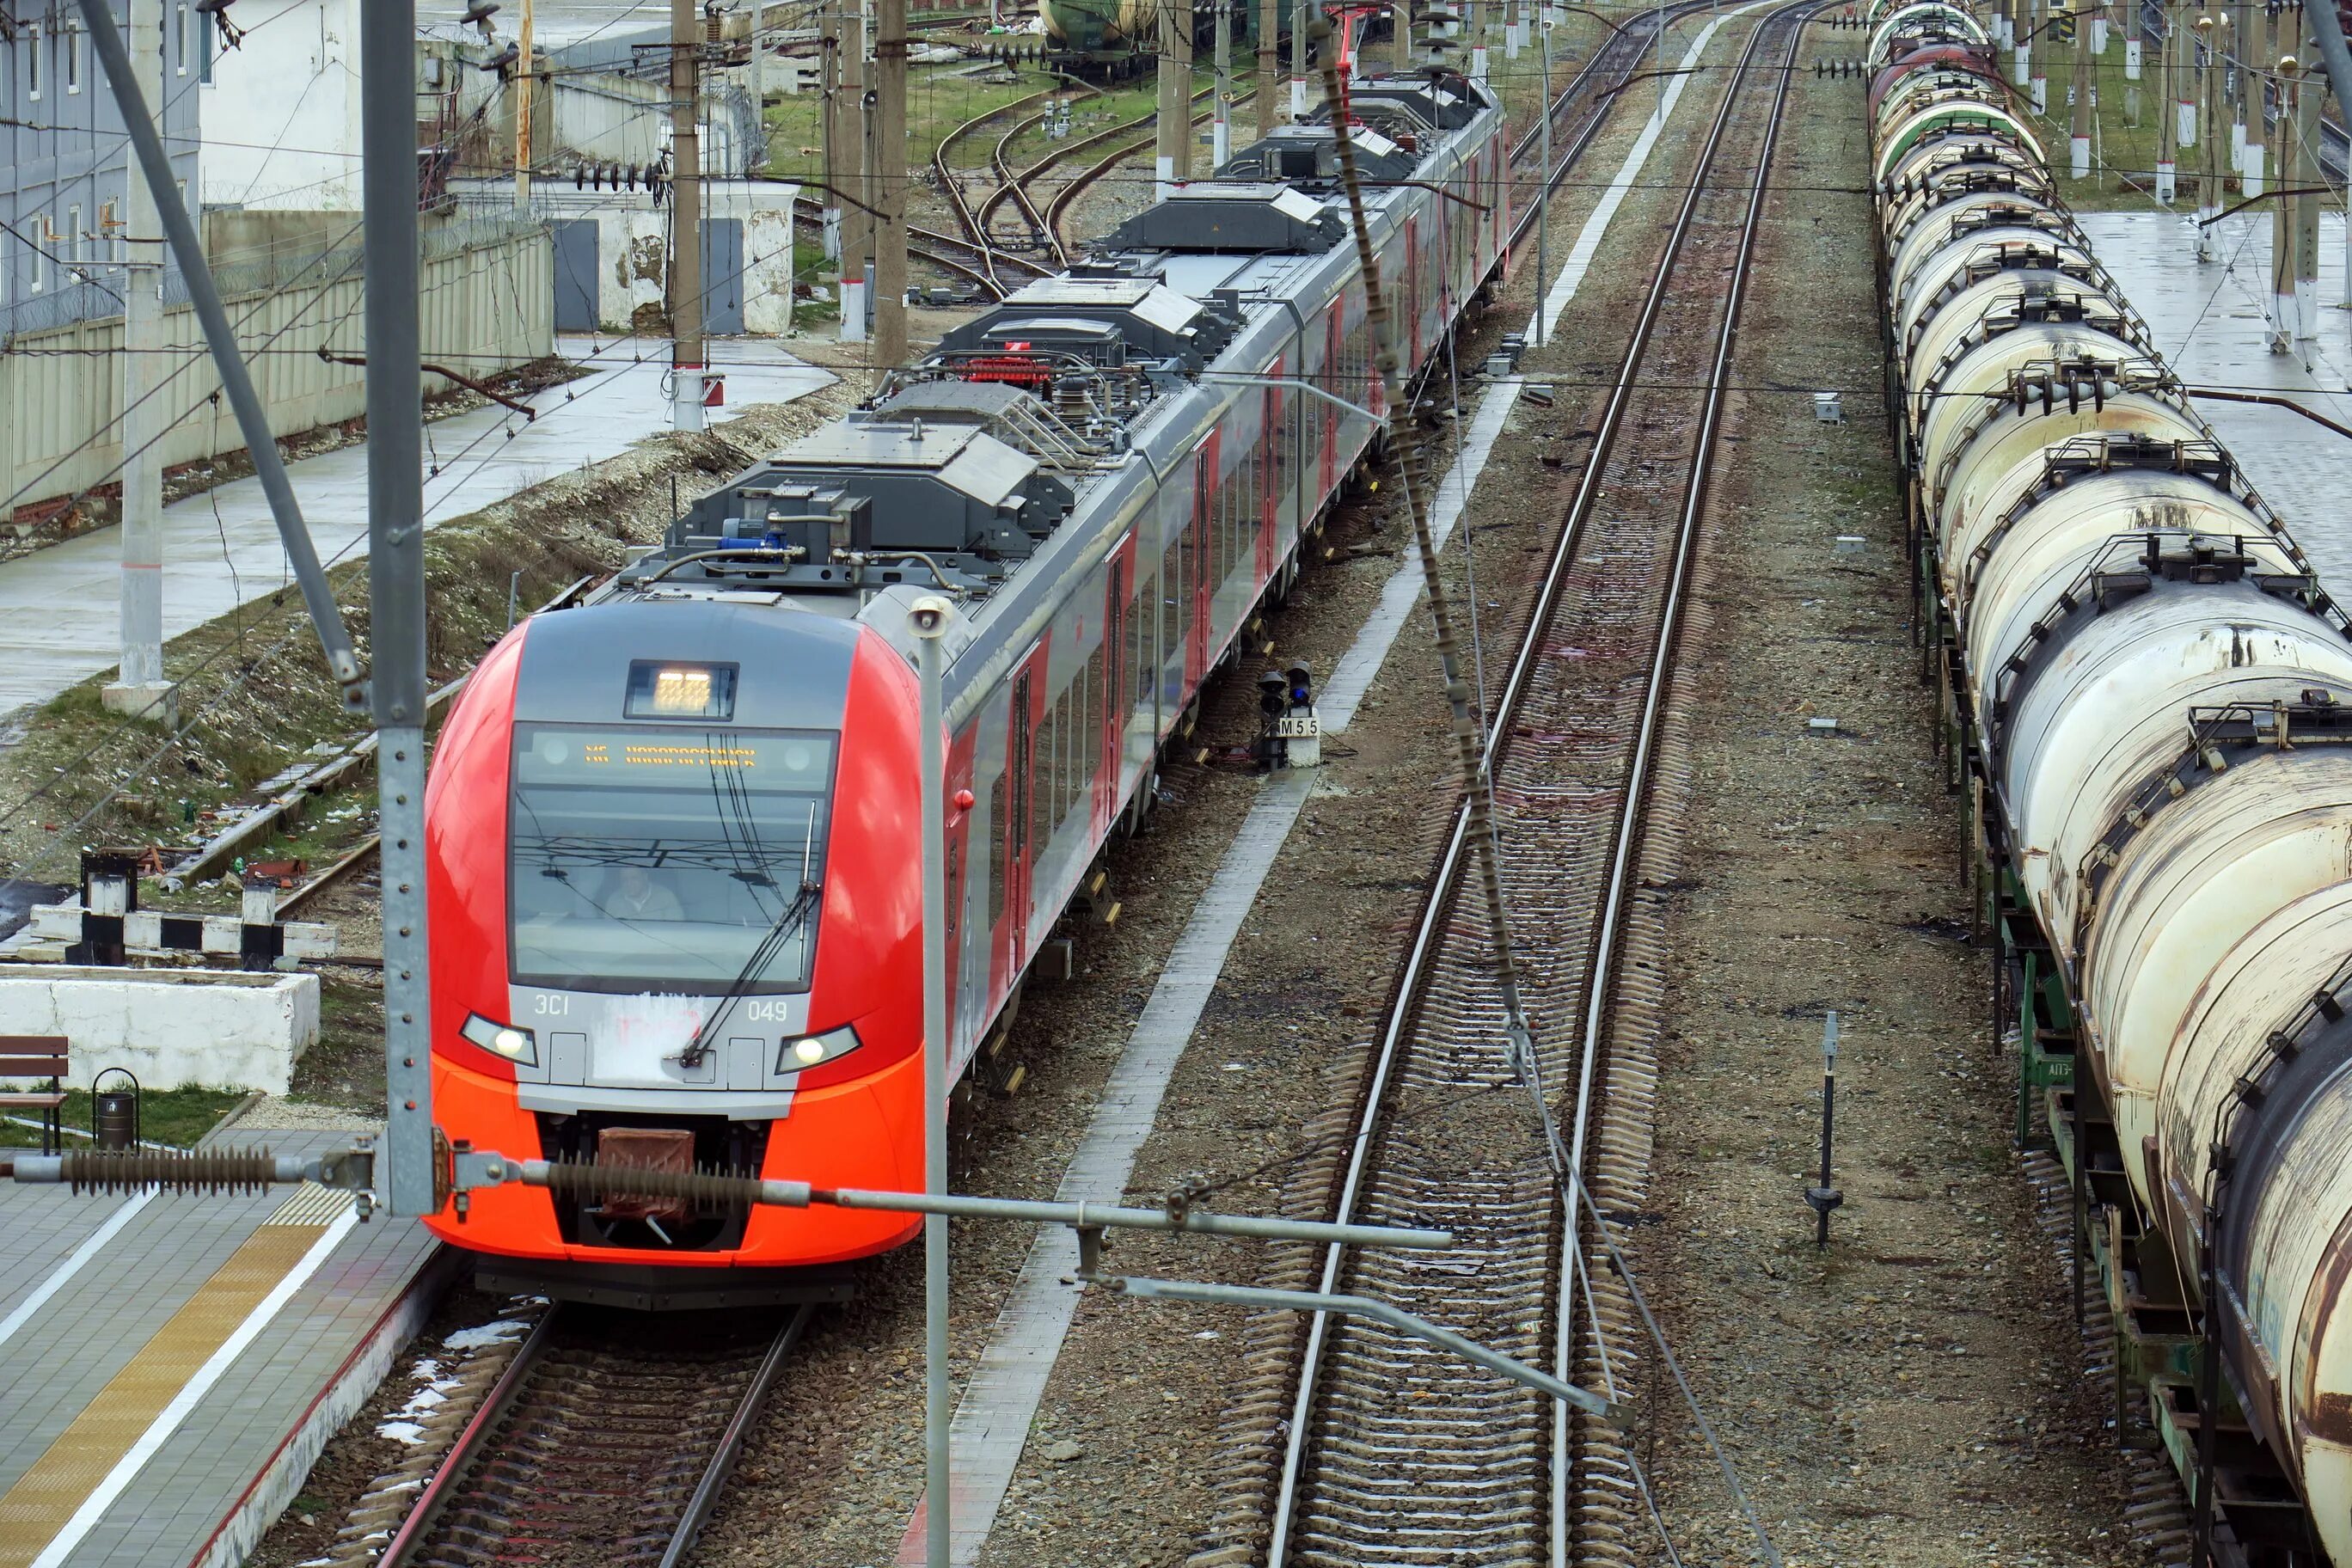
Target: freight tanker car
[2154,693]
[673,834]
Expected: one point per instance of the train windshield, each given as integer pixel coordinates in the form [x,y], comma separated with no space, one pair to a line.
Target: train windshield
[667,858]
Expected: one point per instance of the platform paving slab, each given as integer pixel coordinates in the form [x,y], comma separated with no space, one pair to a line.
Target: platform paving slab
[59,623]
[165,1402]
[2210,320]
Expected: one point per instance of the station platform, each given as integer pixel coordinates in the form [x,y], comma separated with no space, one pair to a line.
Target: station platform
[2211,320]
[170,1365]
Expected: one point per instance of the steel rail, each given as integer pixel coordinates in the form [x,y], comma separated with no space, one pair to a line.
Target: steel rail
[437,1490]
[479,1441]
[1429,932]
[976,231]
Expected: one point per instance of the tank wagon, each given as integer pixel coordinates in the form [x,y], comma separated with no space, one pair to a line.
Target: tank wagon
[2147,690]
[673,834]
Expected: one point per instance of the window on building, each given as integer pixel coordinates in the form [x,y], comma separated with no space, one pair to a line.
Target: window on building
[181,39]
[73,44]
[70,247]
[38,274]
[34,45]
[204,45]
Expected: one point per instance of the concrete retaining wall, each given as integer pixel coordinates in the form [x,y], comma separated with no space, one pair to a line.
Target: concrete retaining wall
[172,1027]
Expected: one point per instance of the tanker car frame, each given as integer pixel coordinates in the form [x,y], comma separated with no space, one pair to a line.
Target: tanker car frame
[2147,696]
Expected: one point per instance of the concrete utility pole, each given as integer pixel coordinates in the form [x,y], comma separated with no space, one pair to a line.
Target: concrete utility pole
[1298,14]
[2167,105]
[522,85]
[1220,127]
[2132,25]
[2254,76]
[2020,59]
[139,687]
[2181,39]
[1402,19]
[1269,36]
[829,30]
[2213,32]
[2233,84]
[2079,147]
[2040,84]
[890,185]
[2304,137]
[2284,212]
[758,70]
[855,172]
[1174,154]
[684,216]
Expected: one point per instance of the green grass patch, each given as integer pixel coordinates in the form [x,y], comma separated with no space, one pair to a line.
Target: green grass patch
[175,1116]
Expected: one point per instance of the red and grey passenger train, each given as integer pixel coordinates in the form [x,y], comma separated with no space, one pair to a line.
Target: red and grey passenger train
[673,834]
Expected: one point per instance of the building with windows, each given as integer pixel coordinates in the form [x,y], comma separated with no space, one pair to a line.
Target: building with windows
[62,151]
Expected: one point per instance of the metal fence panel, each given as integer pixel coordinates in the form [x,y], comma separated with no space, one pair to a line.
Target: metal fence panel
[488,295]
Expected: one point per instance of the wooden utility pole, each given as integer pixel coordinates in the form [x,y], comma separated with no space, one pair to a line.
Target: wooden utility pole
[855,172]
[1174,156]
[522,85]
[685,215]
[890,184]
[1269,29]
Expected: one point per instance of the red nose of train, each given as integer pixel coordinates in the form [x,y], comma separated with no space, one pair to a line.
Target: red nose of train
[675,908]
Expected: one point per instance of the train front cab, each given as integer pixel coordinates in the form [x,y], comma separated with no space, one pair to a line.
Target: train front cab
[642,814]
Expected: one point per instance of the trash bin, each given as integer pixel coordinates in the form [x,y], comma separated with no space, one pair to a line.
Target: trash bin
[114,1113]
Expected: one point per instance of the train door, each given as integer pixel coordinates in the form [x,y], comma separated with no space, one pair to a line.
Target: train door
[1413,290]
[1274,453]
[961,767]
[1200,555]
[1334,361]
[1019,852]
[1115,683]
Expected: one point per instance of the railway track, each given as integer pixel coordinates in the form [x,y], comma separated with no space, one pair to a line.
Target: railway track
[1390,1451]
[594,1446]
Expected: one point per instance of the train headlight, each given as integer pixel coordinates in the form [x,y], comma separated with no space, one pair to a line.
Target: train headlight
[808,1051]
[507,1040]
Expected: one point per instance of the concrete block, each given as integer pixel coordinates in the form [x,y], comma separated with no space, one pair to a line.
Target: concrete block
[172,1027]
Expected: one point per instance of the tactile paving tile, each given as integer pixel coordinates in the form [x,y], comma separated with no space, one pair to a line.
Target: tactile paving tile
[47,1495]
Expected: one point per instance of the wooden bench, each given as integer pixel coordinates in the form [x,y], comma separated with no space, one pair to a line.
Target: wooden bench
[37,1057]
